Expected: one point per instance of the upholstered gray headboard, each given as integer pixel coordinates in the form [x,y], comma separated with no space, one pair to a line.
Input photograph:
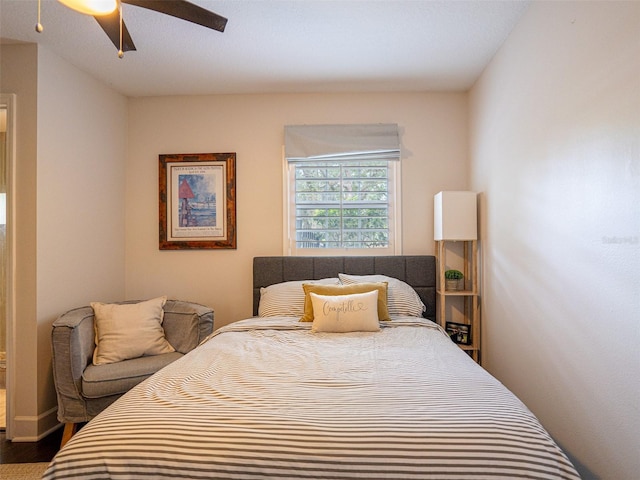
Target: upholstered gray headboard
[419,271]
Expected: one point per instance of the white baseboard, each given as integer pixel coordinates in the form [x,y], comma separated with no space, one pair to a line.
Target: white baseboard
[29,428]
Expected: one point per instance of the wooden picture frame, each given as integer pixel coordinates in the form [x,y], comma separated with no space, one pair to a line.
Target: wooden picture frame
[460,333]
[197,201]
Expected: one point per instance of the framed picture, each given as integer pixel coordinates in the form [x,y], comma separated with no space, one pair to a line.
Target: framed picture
[197,201]
[459,333]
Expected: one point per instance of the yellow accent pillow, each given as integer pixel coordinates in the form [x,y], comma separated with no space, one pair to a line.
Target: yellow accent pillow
[345,313]
[381,287]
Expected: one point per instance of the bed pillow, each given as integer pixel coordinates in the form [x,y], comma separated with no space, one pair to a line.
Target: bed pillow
[402,299]
[286,299]
[381,287]
[132,330]
[357,312]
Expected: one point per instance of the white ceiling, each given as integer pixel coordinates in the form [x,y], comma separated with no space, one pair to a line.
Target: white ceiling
[280,45]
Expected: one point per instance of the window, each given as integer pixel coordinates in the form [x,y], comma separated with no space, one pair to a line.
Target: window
[342,190]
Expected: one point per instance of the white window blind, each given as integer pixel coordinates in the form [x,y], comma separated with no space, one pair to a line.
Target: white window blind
[342,189]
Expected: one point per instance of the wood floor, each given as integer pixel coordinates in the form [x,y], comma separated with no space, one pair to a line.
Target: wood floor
[30,452]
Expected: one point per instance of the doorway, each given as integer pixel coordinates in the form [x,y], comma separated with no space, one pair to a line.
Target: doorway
[7,146]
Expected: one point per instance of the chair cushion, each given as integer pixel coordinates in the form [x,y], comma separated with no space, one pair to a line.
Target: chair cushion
[116,378]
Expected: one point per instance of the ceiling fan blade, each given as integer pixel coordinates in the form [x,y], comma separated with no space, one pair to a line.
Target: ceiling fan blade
[184,10]
[111,26]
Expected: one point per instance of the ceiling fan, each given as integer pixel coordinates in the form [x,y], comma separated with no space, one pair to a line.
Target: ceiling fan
[109,15]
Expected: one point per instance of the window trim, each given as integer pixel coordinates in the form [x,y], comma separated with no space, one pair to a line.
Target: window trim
[395,218]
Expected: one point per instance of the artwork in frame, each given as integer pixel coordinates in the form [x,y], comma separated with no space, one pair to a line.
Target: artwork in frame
[459,333]
[197,201]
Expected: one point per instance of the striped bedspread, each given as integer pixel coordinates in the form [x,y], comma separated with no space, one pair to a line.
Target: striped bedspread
[268,399]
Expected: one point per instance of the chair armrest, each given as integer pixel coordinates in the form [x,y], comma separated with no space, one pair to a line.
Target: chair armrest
[186,324]
[73,343]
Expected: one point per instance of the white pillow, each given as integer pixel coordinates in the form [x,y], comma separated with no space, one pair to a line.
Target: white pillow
[357,312]
[132,330]
[286,299]
[402,299]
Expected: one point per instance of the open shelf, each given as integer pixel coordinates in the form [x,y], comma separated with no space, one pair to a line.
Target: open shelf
[469,296]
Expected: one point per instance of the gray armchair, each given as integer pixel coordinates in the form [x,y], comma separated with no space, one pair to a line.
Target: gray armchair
[84,389]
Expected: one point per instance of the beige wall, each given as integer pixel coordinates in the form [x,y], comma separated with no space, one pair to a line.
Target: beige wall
[70,235]
[555,151]
[434,139]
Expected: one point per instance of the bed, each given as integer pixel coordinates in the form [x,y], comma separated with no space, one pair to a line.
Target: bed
[271,397]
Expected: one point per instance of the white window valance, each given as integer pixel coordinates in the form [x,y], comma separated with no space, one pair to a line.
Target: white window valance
[341,142]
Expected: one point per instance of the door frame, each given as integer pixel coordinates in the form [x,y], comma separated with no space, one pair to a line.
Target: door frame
[8,101]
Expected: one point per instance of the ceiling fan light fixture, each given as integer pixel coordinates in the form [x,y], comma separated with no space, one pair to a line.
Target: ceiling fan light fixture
[92,7]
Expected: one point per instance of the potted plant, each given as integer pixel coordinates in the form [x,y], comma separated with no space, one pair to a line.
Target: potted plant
[453,279]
